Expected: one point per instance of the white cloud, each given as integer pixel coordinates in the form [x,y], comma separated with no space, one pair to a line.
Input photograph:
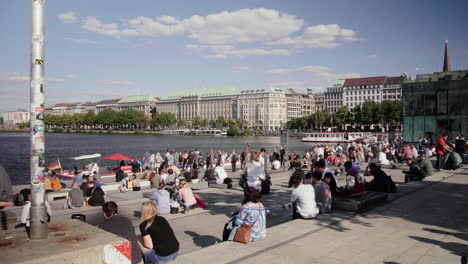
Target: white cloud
[224,51]
[94,25]
[116,82]
[7,78]
[320,36]
[71,76]
[372,56]
[317,73]
[242,26]
[240,69]
[279,71]
[68,17]
[81,40]
[167,20]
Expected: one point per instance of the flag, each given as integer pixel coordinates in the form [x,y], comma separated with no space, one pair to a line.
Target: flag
[55,165]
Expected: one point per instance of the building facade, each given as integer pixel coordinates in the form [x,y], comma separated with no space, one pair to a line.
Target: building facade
[143,103]
[111,103]
[206,103]
[12,119]
[358,90]
[334,96]
[319,101]
[434,104]
[264,109]
[294,100]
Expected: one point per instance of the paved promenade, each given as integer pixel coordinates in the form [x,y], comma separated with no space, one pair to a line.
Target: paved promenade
[425,222]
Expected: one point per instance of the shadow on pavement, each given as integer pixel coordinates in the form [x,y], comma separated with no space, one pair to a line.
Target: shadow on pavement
[202,240]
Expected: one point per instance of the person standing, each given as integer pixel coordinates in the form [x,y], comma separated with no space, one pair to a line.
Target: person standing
[255,172]
[282,155]
[121,226]
[441,148]
[234,159]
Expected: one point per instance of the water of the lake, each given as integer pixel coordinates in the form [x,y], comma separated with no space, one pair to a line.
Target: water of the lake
[14,148]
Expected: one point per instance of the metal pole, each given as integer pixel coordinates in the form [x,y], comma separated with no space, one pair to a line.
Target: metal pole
[38,216]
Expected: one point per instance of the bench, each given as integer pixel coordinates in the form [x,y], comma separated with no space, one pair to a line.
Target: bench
[363,202]
[62,194]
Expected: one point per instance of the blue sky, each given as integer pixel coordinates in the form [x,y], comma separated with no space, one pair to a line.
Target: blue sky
[110,49]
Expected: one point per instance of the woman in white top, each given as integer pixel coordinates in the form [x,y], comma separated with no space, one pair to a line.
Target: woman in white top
[255,172]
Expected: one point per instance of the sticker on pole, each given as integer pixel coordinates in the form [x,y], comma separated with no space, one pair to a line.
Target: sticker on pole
[38,61]
[39,109]
[38,39]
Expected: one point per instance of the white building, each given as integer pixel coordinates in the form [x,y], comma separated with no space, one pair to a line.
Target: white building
[264,108]
[12,119]
[334,96]
[142,103]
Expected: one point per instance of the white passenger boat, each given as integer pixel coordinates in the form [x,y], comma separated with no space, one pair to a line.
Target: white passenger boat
[334,137]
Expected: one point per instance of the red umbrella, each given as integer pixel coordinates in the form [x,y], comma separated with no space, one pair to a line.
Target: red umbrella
[117,156]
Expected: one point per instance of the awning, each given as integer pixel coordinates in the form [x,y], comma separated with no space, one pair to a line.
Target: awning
[117,156]
[91,156]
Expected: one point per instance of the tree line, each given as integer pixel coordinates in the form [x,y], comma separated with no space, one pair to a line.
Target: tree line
[387,112]
[131,119]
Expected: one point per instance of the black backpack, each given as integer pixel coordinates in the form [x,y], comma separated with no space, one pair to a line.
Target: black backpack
[18,199]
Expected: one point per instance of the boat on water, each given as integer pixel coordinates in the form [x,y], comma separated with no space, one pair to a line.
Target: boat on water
[92,166]
[336,137]
[345,137]
[195,132]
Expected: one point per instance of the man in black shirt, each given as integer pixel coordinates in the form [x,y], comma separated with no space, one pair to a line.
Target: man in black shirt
[121,226]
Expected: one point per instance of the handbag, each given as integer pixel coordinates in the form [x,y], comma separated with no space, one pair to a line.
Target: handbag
[244,231]
[243,234]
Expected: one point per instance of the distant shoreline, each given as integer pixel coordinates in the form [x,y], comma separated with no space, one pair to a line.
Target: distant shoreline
[99,132]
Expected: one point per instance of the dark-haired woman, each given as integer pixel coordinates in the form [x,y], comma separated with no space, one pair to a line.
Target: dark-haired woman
[253,213]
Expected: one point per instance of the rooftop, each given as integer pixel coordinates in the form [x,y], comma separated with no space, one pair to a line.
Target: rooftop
[138,98]
[263,90]
[110,101]
[440,76]
[337,84]
[395,80]
[365,81]
[202,92]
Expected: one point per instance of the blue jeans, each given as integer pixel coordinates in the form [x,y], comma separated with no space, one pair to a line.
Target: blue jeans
[152,257]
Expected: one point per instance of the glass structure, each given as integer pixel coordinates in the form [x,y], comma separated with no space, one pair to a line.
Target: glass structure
[434,104]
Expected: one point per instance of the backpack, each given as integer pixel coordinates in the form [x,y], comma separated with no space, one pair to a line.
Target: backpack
[266,185]
[18,200]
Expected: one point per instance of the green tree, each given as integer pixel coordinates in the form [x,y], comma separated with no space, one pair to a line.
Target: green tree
[182,123]
[320,118]
[220,122]
[377,114]
[1,120]
[391,110]
[341,117]
[368,108]
[77,119]
[107,117]
[131,117]
[90,118]
[212,123]
[23,125]
[357,115]
[163,120]
[233,130]
[197,122]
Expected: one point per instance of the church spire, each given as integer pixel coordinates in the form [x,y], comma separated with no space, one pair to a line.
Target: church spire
[446,58]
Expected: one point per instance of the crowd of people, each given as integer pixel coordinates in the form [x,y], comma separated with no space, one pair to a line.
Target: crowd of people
[315,183]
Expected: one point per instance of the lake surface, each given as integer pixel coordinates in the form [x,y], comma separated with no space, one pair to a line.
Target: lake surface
[14,148]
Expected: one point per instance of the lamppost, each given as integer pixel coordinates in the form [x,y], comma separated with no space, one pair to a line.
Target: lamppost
[38,213]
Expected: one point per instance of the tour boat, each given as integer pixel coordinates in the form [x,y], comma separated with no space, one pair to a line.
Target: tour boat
[93,166]
[195,132]
[336,137]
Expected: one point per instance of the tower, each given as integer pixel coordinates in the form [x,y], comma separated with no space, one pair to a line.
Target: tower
[446,58]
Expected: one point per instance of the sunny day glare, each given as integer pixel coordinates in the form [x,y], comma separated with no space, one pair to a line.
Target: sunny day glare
[215,131]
